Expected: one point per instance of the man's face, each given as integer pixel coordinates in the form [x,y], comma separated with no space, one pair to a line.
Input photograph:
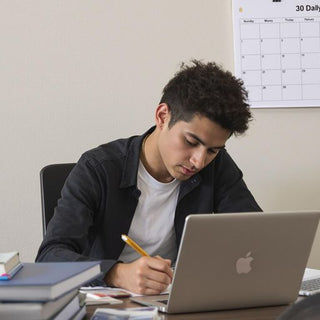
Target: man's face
[187,147]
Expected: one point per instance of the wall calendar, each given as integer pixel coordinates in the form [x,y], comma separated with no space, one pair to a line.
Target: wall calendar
[277,51]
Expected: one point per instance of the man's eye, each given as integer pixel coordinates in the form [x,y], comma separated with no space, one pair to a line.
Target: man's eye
[190,143]
[213,151]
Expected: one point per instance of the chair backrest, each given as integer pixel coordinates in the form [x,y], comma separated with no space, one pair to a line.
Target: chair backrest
[52,178]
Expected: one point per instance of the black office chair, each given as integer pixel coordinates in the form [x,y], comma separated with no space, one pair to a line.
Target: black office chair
[52,178]
[306,309]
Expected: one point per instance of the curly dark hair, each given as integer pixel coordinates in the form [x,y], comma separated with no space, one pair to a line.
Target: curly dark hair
[210,91]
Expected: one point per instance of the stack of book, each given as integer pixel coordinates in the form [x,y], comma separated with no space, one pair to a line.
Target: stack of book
[9,265]
[47,290]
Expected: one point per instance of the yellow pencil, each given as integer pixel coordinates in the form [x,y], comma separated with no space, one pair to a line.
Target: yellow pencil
[133,245]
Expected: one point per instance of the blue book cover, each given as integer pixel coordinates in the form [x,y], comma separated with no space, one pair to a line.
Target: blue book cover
[48,280]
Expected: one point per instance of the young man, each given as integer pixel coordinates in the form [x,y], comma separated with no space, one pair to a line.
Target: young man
[145,186]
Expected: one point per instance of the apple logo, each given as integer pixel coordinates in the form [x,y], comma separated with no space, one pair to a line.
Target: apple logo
[243,265]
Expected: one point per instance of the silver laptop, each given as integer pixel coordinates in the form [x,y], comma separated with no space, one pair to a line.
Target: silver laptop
[238,260]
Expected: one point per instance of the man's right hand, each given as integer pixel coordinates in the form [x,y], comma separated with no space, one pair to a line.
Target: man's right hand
[146,275]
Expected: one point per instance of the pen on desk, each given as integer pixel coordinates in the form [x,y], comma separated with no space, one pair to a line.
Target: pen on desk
[133,245]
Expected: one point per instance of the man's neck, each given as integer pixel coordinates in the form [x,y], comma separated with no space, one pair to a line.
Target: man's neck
[152,160]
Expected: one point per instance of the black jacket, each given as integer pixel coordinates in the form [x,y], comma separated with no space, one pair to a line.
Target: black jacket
[100,196]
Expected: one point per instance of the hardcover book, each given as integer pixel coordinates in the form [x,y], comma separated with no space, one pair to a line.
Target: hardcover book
[39,310]
[8,260]
[48,280]
[11,273]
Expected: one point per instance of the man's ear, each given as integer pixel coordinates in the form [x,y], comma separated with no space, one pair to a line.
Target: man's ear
[162,115]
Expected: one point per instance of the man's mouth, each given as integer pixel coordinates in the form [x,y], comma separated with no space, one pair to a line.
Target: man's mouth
[188,172]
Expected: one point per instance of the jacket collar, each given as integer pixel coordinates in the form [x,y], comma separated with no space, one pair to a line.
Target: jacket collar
[131,162]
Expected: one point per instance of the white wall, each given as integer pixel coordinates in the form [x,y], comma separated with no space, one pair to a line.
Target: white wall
[75,74]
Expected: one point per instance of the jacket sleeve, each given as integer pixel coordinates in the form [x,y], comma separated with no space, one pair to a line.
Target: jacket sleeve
[68,232]
[231,192]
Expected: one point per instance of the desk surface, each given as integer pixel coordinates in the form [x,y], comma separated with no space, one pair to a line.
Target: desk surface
[264,313]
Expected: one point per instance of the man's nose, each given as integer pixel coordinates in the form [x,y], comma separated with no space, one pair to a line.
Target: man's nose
[198,159]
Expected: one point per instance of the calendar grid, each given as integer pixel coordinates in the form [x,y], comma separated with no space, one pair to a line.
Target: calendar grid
[280,58]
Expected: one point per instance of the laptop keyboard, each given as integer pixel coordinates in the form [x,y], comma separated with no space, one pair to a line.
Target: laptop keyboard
[310,285]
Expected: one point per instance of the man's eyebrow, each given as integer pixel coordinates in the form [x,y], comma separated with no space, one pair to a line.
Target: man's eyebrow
[200,141]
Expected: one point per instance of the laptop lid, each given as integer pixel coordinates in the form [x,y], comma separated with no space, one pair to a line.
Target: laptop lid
[239,260]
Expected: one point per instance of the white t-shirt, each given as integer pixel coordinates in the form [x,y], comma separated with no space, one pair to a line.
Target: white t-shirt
[152,226]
